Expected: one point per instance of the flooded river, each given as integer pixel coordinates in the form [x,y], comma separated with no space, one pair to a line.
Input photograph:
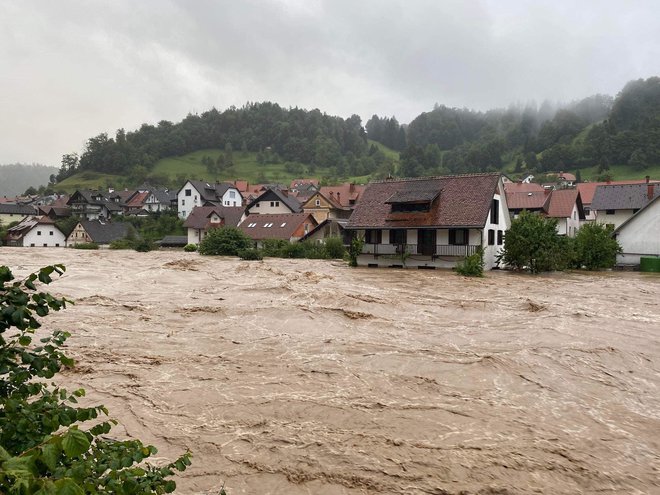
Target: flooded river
[307,377]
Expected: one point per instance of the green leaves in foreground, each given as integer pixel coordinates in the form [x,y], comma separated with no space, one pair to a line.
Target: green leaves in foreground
[46,444]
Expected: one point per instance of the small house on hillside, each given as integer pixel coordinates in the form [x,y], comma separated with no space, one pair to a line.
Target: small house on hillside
[203,218]
[565,205]
[286,226]
[431,222]
[98,232]
[36,232]
[640,235]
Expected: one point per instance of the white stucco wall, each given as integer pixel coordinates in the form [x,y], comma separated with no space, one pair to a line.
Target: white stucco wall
[265,207]
[616,219]
[232,197]
[44,236]
[640,236]
[185,204]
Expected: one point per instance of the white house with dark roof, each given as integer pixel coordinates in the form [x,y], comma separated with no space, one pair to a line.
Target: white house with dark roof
[36,232]
[274,201]
[204,218]
[98,232]
[199,193]
[639,236]
[615,203]
[431,222]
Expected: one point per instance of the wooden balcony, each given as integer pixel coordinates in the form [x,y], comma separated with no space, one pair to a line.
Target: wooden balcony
[434,250]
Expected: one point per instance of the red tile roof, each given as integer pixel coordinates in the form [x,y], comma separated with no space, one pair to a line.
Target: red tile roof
[561,203]
[345,194]
[527,200]
[519,187]
[138,199]
[464,201]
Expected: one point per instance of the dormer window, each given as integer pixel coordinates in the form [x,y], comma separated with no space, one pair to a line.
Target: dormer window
[412,200]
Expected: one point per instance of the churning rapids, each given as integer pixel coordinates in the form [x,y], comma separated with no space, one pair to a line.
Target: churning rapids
[307,377]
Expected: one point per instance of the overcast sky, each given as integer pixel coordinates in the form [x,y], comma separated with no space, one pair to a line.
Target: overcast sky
[70,69]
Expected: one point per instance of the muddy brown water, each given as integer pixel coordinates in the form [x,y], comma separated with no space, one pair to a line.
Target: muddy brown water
[307,377]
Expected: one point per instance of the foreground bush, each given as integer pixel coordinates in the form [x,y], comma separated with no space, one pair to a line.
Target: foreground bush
[48,444]
[224,241]
[595,248]
[334,248]
[85,245]
[473,265]
[122,244]
[532,243]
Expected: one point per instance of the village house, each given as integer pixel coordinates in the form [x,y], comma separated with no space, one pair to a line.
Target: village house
[36,232]
[327,228]
[98,232]
[431,222]
[613,204]
[639,236]
[203,218]
[200,193]
[273,201]
[94,205]
[284,226]
[347,195]
[324,208]
[565,205]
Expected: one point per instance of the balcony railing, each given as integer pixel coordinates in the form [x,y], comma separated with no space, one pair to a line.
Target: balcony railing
[434,250]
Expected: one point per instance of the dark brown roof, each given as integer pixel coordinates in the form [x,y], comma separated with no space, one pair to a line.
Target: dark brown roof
[562,202]
[531,200]
[199,217]
[464,201]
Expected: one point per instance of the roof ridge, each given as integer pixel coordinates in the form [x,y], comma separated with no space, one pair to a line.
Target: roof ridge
[435,177]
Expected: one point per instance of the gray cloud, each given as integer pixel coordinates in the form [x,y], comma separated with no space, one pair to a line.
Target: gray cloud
[72,68]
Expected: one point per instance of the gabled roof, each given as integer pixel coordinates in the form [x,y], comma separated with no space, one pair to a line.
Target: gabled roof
[532,200]
[28,224]
[561,203]
[105,233]
[274,226]
[588,189]
[275,194]
[209,192]
[164,196]
[345,194]
[463,201]
[340,223]
[330,200]
[138,199]
[623,197]
[200,216]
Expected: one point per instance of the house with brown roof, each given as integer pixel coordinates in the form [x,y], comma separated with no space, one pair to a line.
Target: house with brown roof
[325,207]
[613,204]
[565,205]
[204,218]
[347,195]
[431,222]
[285,226]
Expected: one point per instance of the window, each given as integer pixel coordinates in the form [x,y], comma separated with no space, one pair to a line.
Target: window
[574,215]
[183,202]
[458,237]
[232,194]
[277,203]
[45,245]
[188,192]
[609,212]
[51,232]
[398,236]
[373,236]
[410,207]
[195,197]
[491,237]
[500,237]
[318,202]
[38,232]
[283,224]
[257,205]
[272,203]
[57,245]
[495,212]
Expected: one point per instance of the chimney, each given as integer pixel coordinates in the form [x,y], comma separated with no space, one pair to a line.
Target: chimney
[338,196]
[649,188]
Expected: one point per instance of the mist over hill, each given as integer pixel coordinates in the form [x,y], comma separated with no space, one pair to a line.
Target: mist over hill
[16,178]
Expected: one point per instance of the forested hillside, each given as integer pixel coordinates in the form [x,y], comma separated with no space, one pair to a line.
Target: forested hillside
[17,177]
[595,132]
[592,134]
